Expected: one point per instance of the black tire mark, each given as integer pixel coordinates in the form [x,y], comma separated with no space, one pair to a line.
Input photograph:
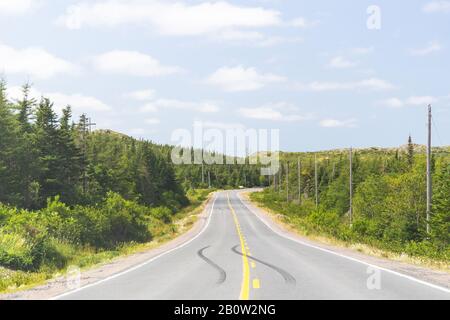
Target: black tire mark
[288,278]
[223,274]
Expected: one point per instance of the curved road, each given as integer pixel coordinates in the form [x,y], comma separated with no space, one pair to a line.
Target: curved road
[237,256]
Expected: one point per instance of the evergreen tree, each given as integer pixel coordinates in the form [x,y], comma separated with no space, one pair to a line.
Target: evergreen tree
[440,222]
[8,135]
[70,159]
[410,152]
[47,143]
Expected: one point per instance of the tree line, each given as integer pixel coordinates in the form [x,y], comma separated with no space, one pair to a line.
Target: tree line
[389,198]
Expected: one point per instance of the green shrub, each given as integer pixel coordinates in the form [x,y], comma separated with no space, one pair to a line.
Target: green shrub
[162,213]
[15,251]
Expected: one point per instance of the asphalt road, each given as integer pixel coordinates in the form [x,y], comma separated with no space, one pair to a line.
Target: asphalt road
[237,256]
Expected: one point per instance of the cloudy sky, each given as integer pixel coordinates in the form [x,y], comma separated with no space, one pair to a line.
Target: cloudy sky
[328,74]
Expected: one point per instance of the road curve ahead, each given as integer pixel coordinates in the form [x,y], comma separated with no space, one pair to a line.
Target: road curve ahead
[237,256]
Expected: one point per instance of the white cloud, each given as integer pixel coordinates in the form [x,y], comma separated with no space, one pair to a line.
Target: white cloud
[432,47]
[79,103]
[411,101]
[222,125]
[15,93]
[420,100]
[35,62]
[17,7]
[334,123]
[255,38]
[152,121]
[132,63]
[158,104]
[373,84]
[393,102]
[437,7]
[242,79]
[301,22]
[204,107]
[169,18]
[340,62]
[274,112]
[362,50]
[137,131]
[148,108]
[141,95]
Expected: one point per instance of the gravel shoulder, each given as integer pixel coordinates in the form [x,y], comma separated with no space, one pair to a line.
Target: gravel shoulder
[436,277]
[65,284]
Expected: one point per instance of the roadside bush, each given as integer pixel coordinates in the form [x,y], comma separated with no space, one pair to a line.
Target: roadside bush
[15,251]
[327,221]
[162,213]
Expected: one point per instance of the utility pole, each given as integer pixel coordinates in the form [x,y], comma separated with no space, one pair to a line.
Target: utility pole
[274,182]
[90,124]
[316,180]
[299,165]
[287,181]
[203,174]
[209,179]
[280,181]
[351,187]
[86,127]
[429,180]
[334,171]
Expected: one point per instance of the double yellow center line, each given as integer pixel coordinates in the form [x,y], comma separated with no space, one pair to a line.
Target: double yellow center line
[245,287]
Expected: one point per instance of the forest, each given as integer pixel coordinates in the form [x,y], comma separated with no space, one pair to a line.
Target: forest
[68,193]
[389,197]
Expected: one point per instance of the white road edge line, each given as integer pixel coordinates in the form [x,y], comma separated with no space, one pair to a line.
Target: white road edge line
[142,264]
[341,255]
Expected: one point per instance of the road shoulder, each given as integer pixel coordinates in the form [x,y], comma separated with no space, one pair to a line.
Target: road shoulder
[65,284]
[434,277]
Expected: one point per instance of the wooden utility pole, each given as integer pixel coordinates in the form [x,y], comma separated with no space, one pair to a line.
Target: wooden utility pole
[287,181]
[280,181]
[209,179]
[86,128]
[316,181]
[351,187]
[274,182]
[203,174]
[299,167]
[429,180]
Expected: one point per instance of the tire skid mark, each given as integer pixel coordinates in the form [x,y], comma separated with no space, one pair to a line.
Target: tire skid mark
[288,278]
[222,273]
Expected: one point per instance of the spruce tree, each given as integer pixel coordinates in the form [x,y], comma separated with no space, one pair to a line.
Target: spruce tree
[410,152]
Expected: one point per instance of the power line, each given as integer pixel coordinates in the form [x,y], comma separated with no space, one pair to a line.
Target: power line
[437,131]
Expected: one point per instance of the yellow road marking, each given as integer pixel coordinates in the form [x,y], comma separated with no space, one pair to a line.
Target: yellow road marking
[253,265]
[245,286]
[256,284]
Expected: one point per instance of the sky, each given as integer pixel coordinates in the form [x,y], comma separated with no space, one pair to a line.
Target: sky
[327,74]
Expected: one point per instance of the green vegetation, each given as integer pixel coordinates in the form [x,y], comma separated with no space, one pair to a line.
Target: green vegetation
[71,196]
[35,245]
[389,203]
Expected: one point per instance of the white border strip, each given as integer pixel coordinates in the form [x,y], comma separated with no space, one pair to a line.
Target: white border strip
[144,263]
[341,255]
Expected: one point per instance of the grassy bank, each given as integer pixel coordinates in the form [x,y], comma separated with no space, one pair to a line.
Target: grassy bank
[38,246]
[329,228]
